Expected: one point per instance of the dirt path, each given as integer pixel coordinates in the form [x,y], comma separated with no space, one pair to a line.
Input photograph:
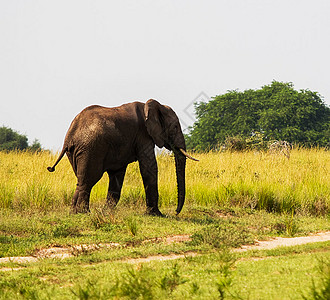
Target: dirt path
[287,242]
[260,245]
[65,252]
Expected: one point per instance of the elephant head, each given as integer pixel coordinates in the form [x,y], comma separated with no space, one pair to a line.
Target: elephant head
[164,128]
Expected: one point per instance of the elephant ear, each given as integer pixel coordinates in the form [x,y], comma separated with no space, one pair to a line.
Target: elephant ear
[154,118]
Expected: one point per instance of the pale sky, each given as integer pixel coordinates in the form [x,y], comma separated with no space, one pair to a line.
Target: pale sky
[57,57]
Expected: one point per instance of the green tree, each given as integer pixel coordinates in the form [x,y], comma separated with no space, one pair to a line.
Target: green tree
[12,140]
[36,146]
[277,110]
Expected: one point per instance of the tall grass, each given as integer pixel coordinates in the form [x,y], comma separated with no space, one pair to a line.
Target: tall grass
[255,180]
[263,181]
[24,181]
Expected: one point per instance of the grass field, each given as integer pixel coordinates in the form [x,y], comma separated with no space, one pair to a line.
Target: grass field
[285,273]
[253,180]
[232,199]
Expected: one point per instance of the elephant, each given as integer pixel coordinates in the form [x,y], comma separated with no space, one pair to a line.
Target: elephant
[102,139]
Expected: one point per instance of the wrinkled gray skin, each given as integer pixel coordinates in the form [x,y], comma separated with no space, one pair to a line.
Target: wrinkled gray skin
[102,139]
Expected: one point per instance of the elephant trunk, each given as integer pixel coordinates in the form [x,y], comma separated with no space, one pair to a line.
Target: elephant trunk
[180,166]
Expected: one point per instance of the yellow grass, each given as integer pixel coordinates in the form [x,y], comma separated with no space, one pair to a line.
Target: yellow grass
[253,180]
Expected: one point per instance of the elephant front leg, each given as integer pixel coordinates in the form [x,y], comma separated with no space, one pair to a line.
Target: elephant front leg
[116,180]
[149,173]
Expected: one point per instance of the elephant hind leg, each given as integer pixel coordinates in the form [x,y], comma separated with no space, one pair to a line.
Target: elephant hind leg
[116,180]
[80,200]
[75,198]
[88,174]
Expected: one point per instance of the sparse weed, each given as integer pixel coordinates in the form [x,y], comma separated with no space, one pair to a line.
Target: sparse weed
[136,284]
[65,230]
[291,225]
[321,291]
[91,290]
[30,288]
[195,289]
[103,219]
[224,280]
[145,283]
[223,234]
[287,224]
[170,281]
[132,225]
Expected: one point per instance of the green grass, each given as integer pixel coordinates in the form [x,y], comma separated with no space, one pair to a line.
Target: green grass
[215,273]
[23,233]
[232,199]
[280,276]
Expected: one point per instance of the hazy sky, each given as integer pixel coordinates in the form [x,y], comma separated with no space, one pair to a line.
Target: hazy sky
[57,57]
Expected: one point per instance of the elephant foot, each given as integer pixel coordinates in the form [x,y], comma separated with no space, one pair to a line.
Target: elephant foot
[154,212]
[80,209]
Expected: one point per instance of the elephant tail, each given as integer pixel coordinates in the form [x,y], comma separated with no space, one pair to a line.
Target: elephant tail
[52,169]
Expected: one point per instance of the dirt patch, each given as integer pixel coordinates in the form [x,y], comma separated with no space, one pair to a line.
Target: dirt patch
[20,260]
[286,242]
[170,239]
[159,258]
[260,245]
[66,252]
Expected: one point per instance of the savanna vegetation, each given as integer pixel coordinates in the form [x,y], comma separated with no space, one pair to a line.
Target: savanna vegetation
[232,199]
[254,180]
[256,187]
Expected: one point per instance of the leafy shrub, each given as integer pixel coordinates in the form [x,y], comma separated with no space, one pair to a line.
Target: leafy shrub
[255,142]
[235,143]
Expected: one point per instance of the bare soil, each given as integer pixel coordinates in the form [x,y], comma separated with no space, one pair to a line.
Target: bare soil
[65,252]
[286,242]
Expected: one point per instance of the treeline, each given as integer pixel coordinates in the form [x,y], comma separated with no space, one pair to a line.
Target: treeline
[11,140]
[274,112]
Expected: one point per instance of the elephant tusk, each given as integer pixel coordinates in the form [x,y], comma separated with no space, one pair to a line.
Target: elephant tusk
[187,155]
